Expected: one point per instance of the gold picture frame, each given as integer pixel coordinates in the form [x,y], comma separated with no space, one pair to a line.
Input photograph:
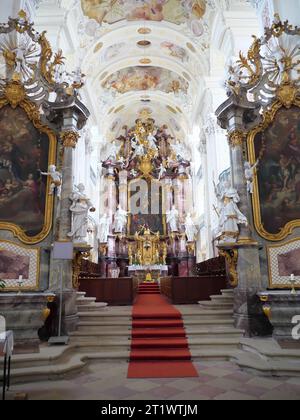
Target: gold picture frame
[15,96]
[272,270]
[268,118]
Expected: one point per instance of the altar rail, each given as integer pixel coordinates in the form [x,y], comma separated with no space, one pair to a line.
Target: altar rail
[115,292]
[190,290]
[89,269]
[212,267]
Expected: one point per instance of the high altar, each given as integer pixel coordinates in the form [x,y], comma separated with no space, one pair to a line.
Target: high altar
[149,196]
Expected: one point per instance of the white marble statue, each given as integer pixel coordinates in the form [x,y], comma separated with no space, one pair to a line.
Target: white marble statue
[249,175]
[172,219]
[231,217]
[180,151]
[56,180]
[20,52]
[190,228]
[138,150]
[80,207]
[152,142]
[112,151]
[104,228]
[120,220]
[162,171]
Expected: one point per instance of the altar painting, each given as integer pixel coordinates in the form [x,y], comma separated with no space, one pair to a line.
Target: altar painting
[24,152]
[277,199]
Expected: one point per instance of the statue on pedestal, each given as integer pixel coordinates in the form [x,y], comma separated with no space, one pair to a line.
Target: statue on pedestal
[104,229]
[120,220]
[249,175]
[56,180]
[172,219]
[190,228]
[231,217]
[80,207]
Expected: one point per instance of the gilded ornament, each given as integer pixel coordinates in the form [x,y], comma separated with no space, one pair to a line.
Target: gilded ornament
[236,138]
[287,94]
[69,138]
[231,256]
[15,93]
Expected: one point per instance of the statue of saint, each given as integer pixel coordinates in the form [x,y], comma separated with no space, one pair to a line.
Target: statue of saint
[112,151]
[231,217]
[172,219]
[104,228]
[249,175]
[120,220]
[80,207]
[190,228]
[56,180]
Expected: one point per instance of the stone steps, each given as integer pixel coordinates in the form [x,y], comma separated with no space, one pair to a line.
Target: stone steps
[85,300]
[73,364]
[266,357]
[214,305]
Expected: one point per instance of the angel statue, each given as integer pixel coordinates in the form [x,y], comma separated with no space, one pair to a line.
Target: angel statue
[190,228]
[120,219]
[80,207]
[56,180]
[104,228]
[231,217]
[162,171]
[172,219]
[249,175]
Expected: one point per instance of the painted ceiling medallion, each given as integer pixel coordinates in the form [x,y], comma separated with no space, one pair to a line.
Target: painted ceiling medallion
[98,47]
[144,31]
[145,61]
[144,43]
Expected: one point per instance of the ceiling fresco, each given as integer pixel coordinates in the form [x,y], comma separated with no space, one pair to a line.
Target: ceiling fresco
[174,11]
[145,78]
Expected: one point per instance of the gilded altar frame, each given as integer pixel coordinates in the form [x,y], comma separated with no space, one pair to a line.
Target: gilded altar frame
[268,118]
[15,96]
[164,219]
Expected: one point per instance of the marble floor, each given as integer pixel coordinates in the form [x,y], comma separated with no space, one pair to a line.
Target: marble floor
[108,381]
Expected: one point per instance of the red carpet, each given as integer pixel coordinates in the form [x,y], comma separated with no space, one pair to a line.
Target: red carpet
[159,347]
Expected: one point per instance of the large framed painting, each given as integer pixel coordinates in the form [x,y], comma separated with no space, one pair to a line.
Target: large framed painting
[146,206]
[27,147]
[283,261]
[19,266]
[276,198]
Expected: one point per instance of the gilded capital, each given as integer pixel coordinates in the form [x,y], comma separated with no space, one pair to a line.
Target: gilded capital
[236,138]
[69,138]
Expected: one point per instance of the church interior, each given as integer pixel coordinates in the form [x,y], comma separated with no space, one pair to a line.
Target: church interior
[149,200]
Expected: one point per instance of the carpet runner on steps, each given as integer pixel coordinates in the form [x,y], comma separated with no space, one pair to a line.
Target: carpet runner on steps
[159,347]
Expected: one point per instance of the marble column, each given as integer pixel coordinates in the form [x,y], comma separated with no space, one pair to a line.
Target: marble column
[247,308]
